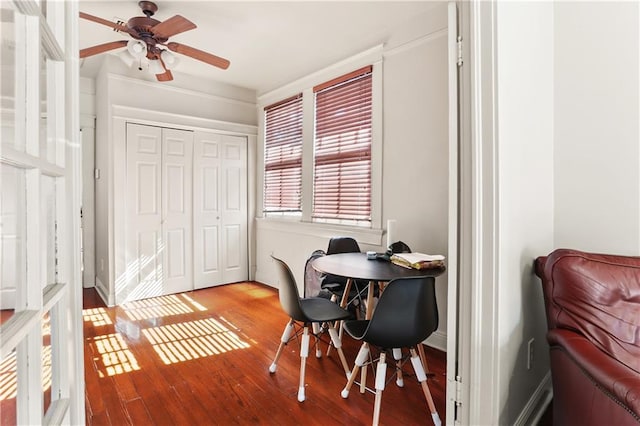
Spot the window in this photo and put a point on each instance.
(283, 156)
(342, 149)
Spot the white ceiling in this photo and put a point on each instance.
(268, 43)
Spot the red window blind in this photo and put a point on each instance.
(283, 156)
(342, 148)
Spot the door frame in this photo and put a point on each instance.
(116, 214)
(477, 329)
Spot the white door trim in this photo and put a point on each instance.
(452, 398)
(480, 240)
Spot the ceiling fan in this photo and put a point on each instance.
(149, 36)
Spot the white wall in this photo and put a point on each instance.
(415, 149)
(416, 142)
(525, 195)
(597, 119)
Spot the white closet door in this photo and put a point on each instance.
(220, 209)
(159, 221)
(206, 209)
(143, 255)
(234, 208)
(177, 158)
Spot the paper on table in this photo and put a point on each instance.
(418, 260)
(419, 257)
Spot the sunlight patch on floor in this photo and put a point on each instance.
(114, 355)
(193, 339)
(98, 316)
(162, 306)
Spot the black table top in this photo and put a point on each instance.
(356, 265)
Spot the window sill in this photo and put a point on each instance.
(323, 230)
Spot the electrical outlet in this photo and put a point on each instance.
(530, 354)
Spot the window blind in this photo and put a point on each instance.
(342, 148)
(283, 156)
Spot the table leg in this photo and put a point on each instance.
(368, 314)
(370, 299)
(343, 304)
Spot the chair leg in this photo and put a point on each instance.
(286, 335)
(337, 342)
(381, 377)
(422, 378)
(361, 358)
(397, 355)
(423, 358)
(304, 353)
(316, 328)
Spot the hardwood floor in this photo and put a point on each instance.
(202, 358)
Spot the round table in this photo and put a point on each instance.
(357, 266)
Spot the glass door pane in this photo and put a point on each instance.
(12, 236)
(7, 82)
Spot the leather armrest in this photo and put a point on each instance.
(609, 374)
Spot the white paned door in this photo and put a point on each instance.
(158, 225)
(42, 373)
(220, 209)
(177, 156)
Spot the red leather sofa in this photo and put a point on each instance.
(593, 314)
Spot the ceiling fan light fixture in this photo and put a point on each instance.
(127, 58)
(156, 67)
(137, 48)
(170, 60)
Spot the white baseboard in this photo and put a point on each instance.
(437, 340)
(102, 291)
(537, 404)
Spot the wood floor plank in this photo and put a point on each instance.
(137, 411)
(161, 401)
(98, 419)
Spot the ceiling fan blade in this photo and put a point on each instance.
(108, 23)
(200, 55)
(172, 26)
(166, 76)
(94, 50)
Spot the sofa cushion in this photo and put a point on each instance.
(599, 298)
(612, 376)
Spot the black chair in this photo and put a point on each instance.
(406, 314)
(399, 247)
(312, 278)
(315, 311)
(336, 284)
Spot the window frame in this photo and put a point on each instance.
(304, 223)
